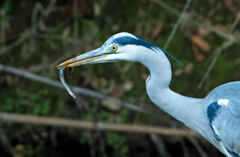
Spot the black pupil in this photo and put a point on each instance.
(114, 47)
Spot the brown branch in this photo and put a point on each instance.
(167, 7)
(177, 24)
(198, 147)
(6, 143)
(27, 33)
(230, 38)
(217, 52)
(226, 44)
(184, 147)
(159, 143)
(198, 20)
(147, 110)
(60, 122)
(22, 37)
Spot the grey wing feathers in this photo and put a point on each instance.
(224, 119)
(234, 107)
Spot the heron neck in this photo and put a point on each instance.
(180, 107)
(190, 111)
(159, 67)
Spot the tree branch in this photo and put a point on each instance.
(59, 122)
(217, 52)
(198, 147)
(177, 24)
(146, 110)
(198, 20)
(226, 44)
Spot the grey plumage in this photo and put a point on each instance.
(216, 117)
(224, 119)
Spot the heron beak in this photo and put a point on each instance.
(95, 56)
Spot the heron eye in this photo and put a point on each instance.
(114, 48)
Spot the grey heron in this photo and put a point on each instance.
(216, 117)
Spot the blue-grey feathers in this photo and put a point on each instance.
(171, 56)
(233, 154)
(234, 107)
(127, 39)
(224, 120)
(212, 111)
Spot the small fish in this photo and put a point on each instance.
(70, 71)
(61, 75)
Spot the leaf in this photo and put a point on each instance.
(128, 85)
(178, 72)
(213, 11)
(66, 33)
(203, 32)
(226, 29)
(196, 39)
(197, 54)
(118, 91)
(111, 104)
(98, 83)
(157, 29)
(97, 9)
(188, 68)
(102, 82)
(232, 7)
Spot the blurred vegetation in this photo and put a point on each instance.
(38, 35)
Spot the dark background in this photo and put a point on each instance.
(35, 36)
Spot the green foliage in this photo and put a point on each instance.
(6, 7)
(61, 35)
(8, 105)
(85, 137)
(118, 143)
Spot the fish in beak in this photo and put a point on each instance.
(61, 75)
(96, 56)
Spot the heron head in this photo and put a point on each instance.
(121, 46)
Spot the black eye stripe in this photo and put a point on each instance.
(123, 39)
(126, 40)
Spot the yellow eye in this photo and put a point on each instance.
(114, 48)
